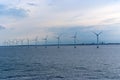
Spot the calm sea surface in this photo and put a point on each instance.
(65, 63)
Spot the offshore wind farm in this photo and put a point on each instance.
(36, 41)
(27, 59)
(58, 41)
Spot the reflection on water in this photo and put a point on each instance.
(67, 63)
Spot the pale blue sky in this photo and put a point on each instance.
(22, 19)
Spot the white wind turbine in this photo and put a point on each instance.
(46, 41)
(28, 42)
(21, 42)
(97, 35)
(36, 41)
(58, 40)
(75, 39)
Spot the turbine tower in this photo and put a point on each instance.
(75, 39)
(36, 41)
(46, 41)
(97, 35)
(22, 42)
(58, 40)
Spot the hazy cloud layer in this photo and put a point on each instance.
(2, 27)
(32, 4)
(5, 11)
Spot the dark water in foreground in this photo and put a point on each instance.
(65, 63)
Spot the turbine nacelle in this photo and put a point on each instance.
(97, 34)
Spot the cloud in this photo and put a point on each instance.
(12, 12)
(2, 27)
(55, 17)
(32, 4)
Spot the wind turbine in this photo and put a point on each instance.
(97, 35)
(75, 39)
(16, 42)
(9, 42)
(12, 42)
(28, 42)
(5, 43)
(22, 42)
(36, 41)
(46, 40)
(58, 40)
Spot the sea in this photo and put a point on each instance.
(85, 62)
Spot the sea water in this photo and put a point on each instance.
(64, 63)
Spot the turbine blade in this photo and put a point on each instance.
(99, 33)
(95, 33)
(60, 35)
(76, 34)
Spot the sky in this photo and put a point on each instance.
(28, 19)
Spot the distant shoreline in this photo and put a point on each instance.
(61, 45)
